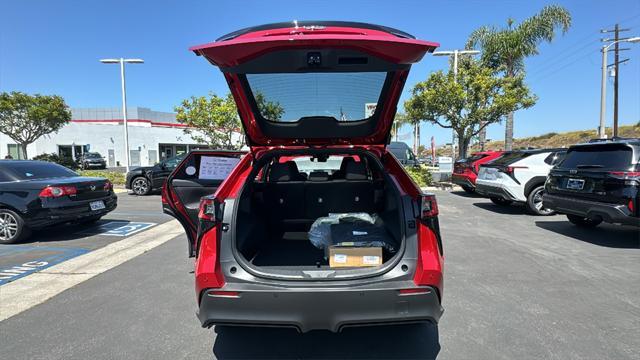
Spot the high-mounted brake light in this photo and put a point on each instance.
(57, 191)
(428, 206)
(625, 175)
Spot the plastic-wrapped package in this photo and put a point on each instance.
(361, 234)
(320, 232)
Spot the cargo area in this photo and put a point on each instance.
(277, 210)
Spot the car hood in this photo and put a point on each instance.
(317, 48)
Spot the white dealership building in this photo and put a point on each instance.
(153, 136)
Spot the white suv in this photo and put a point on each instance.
(519, 176)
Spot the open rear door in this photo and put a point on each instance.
(198, 175)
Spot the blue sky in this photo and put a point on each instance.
(53, 48)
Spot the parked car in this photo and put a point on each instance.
(465, 171)
(39, 194)
(519, 176)
(145, 179)
(248, 219)
(403, 152)
(91, 160)
(597, 182)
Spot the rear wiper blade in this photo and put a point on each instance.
(589, 166)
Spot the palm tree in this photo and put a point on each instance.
(505, 49)
(398, 121)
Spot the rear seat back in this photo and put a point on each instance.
(284, 192)
(288, 199)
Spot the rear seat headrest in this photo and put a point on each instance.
(319, 176)
(355, 171)
(287, 171)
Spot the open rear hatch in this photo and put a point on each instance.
(316, 83)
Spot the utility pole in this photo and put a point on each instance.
(616, 68)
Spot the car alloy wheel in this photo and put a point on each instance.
(140, 186)
(9, 227)
(534, 202)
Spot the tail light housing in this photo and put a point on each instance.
(428, 206)
(57, 191)
(211, 209)
(510, 169)
(625, 175)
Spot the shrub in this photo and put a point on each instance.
(117, 178)
(421, 175)
(55, 158)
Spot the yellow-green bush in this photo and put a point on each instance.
(420, 174)
(117, 178)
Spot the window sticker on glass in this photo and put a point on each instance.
(216, 168)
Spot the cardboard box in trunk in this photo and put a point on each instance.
(354, 256)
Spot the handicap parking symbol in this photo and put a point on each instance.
(119, 228)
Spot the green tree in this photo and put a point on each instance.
(25, 118)
(480, 97)
(211, 120)
(505, 49)
(270, 110)
(214, 120)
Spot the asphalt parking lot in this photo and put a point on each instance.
(516, 287)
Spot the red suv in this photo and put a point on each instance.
(317, 102)
(465, 171)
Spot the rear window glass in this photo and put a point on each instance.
(509, 158)
(344, 96)
(602, 157)
(37, 170)
(307, 165)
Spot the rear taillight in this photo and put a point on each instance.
(430, 261)
(625, 175)
(57, 191)
(631, 207)
(108, 186)
(211, 209)
(428, 206)
(511, 169)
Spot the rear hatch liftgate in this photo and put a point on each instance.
(272, 74)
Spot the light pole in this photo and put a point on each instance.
(455, 54)
(122, 61)
(603, 84)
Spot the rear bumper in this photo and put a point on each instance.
(611, 213)
(318, 309)
(77, 211)
(462, 180)
(494, 191)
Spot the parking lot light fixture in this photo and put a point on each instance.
(455, 54)
(122, 61)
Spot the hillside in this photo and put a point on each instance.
(565, 139)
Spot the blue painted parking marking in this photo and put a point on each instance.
(49, 257)
(118, 228)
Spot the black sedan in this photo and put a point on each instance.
(142, 180)
(38, 194)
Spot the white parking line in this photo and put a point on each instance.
(27, 292)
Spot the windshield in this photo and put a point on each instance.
(92, 156)
(598, 157)
(37, 170)
(344, 96)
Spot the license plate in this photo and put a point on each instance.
(96, 205)
(575, 184)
